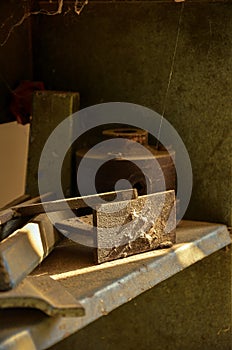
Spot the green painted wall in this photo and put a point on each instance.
(123, 51)
(200, 106)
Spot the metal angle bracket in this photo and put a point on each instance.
(42, 293)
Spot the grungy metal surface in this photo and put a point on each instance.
(154, 228)
(22, 251)
(189, 311)
(124, 167)
(102, 288)
(113, 233)
(42, 293)
(20, 340)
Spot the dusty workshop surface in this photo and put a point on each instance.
(102, 288)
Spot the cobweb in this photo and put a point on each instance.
(75, 5)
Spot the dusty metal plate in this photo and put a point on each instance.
(20, 340)
(152, 220)
(45, 294)
(102, 288)
(80, 229)
(23, 250)
(106, 230)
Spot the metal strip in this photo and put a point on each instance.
(73, 203)
(45, 294)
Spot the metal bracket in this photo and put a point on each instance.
(42, 293)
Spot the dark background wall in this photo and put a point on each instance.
(15, 52)
(124, 50)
